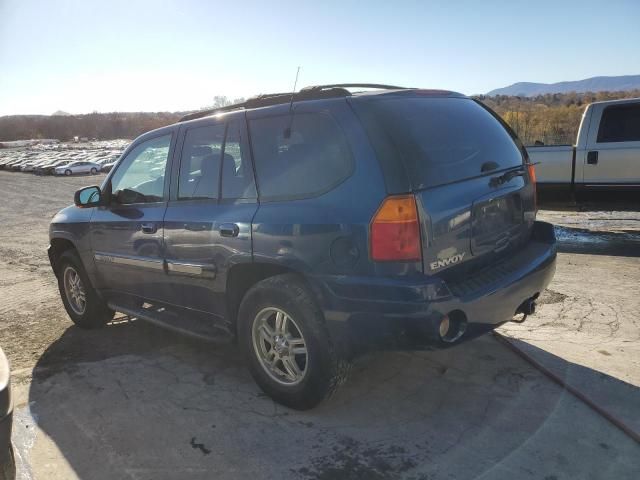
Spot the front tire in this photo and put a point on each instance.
(82, 303)
(68, 173)
(94, 171)
(284, 337)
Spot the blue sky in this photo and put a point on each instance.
(165, 55)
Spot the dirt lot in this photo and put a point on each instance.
(134, 402)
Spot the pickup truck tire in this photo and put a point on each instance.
(85, 308)
(8, 467)
(271, 347)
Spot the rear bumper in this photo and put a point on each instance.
(364, 310)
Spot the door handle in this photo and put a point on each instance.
(148, 227)
(229, 230)
(592, 157)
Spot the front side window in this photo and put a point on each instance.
(140, 176)
(620, 123)
(299, 155)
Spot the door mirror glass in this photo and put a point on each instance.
(87, 197)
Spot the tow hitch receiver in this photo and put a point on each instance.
(526, 308)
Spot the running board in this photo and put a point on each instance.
(183, 324)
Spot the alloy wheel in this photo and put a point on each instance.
(74, 290)
(280, 346)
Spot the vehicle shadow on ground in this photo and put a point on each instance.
(131, 401)
(618, 398)
(593, 242)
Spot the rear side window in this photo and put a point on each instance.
(620, 123)
(237, 174)
(443, 140)
(298, 156)
(200, 164)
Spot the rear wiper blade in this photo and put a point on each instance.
(506, 176)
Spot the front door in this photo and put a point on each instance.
(614, 157)
(126, 234)
(208, 219)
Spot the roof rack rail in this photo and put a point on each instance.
(210, 111)
(353, 85)
(313, 92)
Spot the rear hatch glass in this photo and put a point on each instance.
(444, 139)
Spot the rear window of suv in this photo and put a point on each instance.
(299, 156)
(442, 140)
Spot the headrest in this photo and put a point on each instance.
(200, 151)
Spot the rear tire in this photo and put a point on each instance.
(82, 303)
(294, 379)
(68, 173)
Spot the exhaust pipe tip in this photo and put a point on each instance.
(452, 326)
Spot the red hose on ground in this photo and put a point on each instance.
(576, 393)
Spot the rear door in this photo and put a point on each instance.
(613, 156)
(474, 194)
(208, 219)
(126, 234)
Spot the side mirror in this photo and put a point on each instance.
(87, 197)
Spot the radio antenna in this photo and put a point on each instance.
(287, 131)
(295, 84)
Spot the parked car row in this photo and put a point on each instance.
(59, 161)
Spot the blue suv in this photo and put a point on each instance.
(310, 226)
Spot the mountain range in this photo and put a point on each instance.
(594, 84)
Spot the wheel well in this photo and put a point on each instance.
(58, 247)
(241, 278)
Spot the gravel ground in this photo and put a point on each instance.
(130, 401)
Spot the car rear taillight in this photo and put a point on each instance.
(532, 176)
(395, 230)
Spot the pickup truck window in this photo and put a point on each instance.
(620, 123)
(200, 162)
(299, 156)
(140, 176)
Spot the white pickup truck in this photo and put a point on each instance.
(606, 155)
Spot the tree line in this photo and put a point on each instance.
(550, 119)
(102, 126)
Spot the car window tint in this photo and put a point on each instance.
(300, 155)
(440, 140)
(237, 174)
(200, 162)
(140, 176)
(620, 123)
